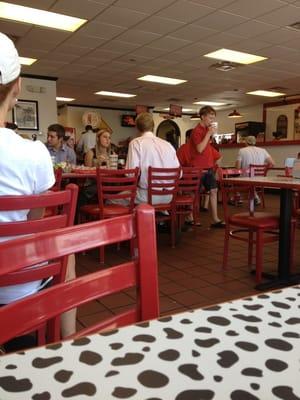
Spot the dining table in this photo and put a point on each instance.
(245, 349)
(287, 187)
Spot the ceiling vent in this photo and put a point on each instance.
(224, 66)
(295, 26)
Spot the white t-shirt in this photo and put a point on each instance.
(25, 168)
(87, 141)
(252, 155)
(150, 150)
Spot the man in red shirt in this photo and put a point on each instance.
(203, 156)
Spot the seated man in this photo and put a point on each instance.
(149, 150)
(58, 150)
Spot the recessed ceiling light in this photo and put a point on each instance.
(115, 94)
(235, 56)
(210, 103)
(183, 110)
(64, 99)
(27, 60)
(35, 16)
(161, 79)
(266, 93)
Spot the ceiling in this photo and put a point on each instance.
(125, 39)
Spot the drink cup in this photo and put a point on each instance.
(214, 125)
(113, 161)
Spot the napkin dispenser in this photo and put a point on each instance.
(296, 169)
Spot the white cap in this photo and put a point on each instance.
(9, 60)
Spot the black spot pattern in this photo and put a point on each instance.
(55, 346)
(173, 334)
(221, 321)
(279, 304)
(41, 396)
(252, 372)
(243, 395)
(253, 307)
(146, 349)
(191, 370)
(90, 358)
(123, 392)
(293, 321)
(63, 376)
(153, 379)
(255, 386)
(203, 330)
(218, 378)
(284, 393)
(13, 385)
(195, 353)
(116, 346)
(279, 344)
(169, 355)
(227, 358)
(206, 342)
(128, 359)
(40, 362)
(247, 346)
(247, 318)
(252, 329)
(276, 365)
(111, 373)
(186, 321)
(144, 338)
(81, 341)
(274, 314)
(275, 324)
(293, 335)
(232, 333)
(81, 389)
(195, 395)
(11, 366)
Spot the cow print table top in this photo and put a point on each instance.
(247, 349)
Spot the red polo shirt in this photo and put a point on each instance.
(207, 158)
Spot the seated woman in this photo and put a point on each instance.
(100, 154)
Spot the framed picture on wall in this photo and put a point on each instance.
(26, 116)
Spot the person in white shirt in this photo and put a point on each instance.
(253, 155)
(149, 150)
(87, 140)
(26, 168)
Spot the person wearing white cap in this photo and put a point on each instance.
(253, 155)
(26, 166)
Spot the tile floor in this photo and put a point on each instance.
(190, 275)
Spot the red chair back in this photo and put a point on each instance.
(141, 273)
(163, 182)
(115, 184)
(258, 170)
(66, 200)
(58, 179)
(190, 180)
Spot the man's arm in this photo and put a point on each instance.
(270, 162)
(133, 156)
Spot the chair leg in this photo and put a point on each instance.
(259, 255)
(250, 249)
(263, 198)
(173, 230)
(226, 248)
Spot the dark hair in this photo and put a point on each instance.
(88, 128)
(206, 110)
(59, 129)
(11, 125)
(144, 122)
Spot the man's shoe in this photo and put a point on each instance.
(219, 224)
(257, 202)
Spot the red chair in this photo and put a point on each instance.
(141, 273)
(187, 199)
(58, 179)
(252, 227)
(163, 182)
(117, 186)
(259, 170)
(57, 268)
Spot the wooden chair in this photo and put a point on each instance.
(251, 226)
(56, 268)
(163, 182)
(259, 170)
(116, 195)
(140, 273)
(188, 197)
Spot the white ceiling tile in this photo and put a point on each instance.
(55, 55)
(119, 46)
(138, 36)
(101, 30)
(293, 44)
(134, 58)
(177, 56)
(75, 9)
(193, 33)
(120, 17)
(106, 54)
(198, 48)
(251, 45)
(144, 6)
(149, 52)
(85, 41)
(284, 53)
(220, 20)
(41, 4)
(213, 3)
(282, 35)
(69, 49)
(185, 11)
(253, 8)
(251, 28)
(14, 28)
(33, 53)
(284, 16)
(168, 43)
(159, 25)
(223, 39)
(47, 35)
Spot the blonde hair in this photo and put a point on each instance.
(97, 147)
(144, 122)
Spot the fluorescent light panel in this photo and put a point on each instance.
(161, 79)
(35, 16)
(115, 94)
(235, 56)
(266, 93)
(210, 103)
(64, 99)
(183, 110)
(27, 60)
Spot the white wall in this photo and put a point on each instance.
(46, 103)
